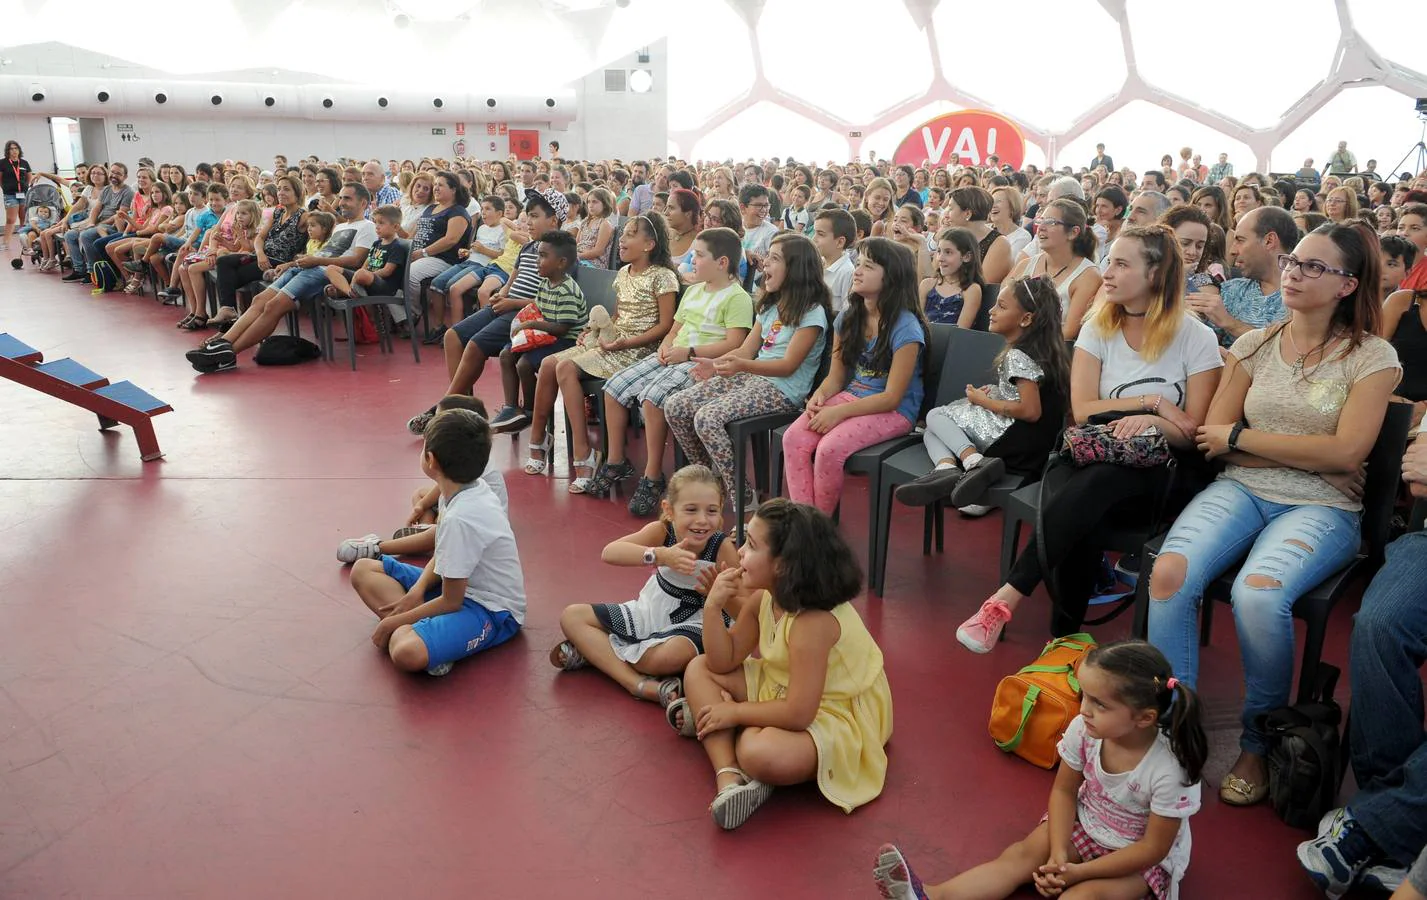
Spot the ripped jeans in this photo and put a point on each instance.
(1287, 550)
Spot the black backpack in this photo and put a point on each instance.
(1305, 753)
(286, 350)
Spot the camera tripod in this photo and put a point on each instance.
(1419, 151)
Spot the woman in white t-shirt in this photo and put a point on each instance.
(1298, 411)
(1141, 357)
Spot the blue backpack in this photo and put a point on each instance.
(104, 277)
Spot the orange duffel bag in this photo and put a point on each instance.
(1033, 707)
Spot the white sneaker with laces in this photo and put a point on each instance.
(353, 549)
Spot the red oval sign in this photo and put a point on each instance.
(971, 134)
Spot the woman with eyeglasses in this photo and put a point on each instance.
(1066, 249)
(1296, 414)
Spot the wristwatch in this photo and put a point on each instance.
(1234, 433)
(650, 556)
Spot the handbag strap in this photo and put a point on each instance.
(1027, 704)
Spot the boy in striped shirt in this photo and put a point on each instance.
(562, 311)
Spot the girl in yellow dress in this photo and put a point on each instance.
(815, 704)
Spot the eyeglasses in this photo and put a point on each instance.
(1042, 223)
(1310, 268)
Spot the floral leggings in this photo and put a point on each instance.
(813, 462)
(699, 417)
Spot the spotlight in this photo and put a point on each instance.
(401, 20)
(102, 96)
(37, 93)
(438, 103)
(490, 101)
(270, 101)
(382, 102)
(326, 102)
(216, 99)
(641, 81)
(160, 97)
(550, 102)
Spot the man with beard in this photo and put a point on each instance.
(81, 238)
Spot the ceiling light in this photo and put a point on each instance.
(641, 81)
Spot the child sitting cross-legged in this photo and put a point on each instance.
(471, 595)
(814, 705)
(1020, 416)
(714, 318)
(418, 536)
(1118, 825)
(645, 644)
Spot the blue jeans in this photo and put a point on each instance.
(1295, 547)
(81, 247)
(1389, 745)
(442, 283)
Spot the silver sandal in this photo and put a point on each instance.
(733, 805)
(581, 484)
(535, 466)
(671, 712)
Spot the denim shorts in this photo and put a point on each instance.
(13, 200)
(491, 332)
(301, 284)
(455, 635)
(171, 243)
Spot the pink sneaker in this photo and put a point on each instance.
(980, 632)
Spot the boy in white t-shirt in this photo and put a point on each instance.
(471, 595)
(714, 317)
(834, 232)
(418, 536)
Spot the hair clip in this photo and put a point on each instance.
(1172, 683)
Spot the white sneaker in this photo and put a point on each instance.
(353, 549)
(975, 511)
(442, 669)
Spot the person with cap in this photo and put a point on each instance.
(485, 333)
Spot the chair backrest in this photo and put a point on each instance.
(1384, 472)
(934, 363)
(970, 359)
(988, 299)
(597, 285)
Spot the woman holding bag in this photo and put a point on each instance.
(1144, 362)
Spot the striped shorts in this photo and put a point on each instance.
(647, 381)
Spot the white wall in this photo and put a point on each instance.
(624, 126)
(33, 133)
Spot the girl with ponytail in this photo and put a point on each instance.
(1120, 807)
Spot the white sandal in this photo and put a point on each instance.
(592, 462)
(535, 466)
(733, 805)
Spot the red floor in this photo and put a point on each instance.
(190, 705)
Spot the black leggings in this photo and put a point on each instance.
(234, 271)
(1077, 504)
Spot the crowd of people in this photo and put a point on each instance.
(1261, 325)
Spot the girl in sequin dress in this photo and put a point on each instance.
(1032, 380)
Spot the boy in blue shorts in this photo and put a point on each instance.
(471, 595)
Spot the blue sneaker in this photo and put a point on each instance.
(1385, 877)
(1339, 854)
(895, 878)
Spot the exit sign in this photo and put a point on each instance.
(438, 131)
(854, 134)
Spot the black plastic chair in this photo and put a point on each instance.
(868, 461)
(1314, 607)
(597, 285)
(970, 359)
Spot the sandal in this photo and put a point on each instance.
(733, 805)
(136, 284)
(607, 477)
(671, 712)
(195, 323)
(535, 466)
(581, 484)
(184, 322)
(670, 689)
(566, 658)
(1235, 791)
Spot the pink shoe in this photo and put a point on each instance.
(980, 633)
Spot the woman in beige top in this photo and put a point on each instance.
(1295, 416)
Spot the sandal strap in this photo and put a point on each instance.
(733, 770)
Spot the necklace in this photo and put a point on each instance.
(1139, 315)
(1303, 357)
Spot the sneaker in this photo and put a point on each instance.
(353, 549)
(409, 530)
(213, 359)
(895, 879)
(134, 266)
(975, 510)
(931, 487)
(1336, 858)
(417, 423)
(75, 277)
(1127, 570)
(647, 494)
(509, 420)
(202, 353)
(1385, 877)
(980, 633)
(971, 490)
(437, 671)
